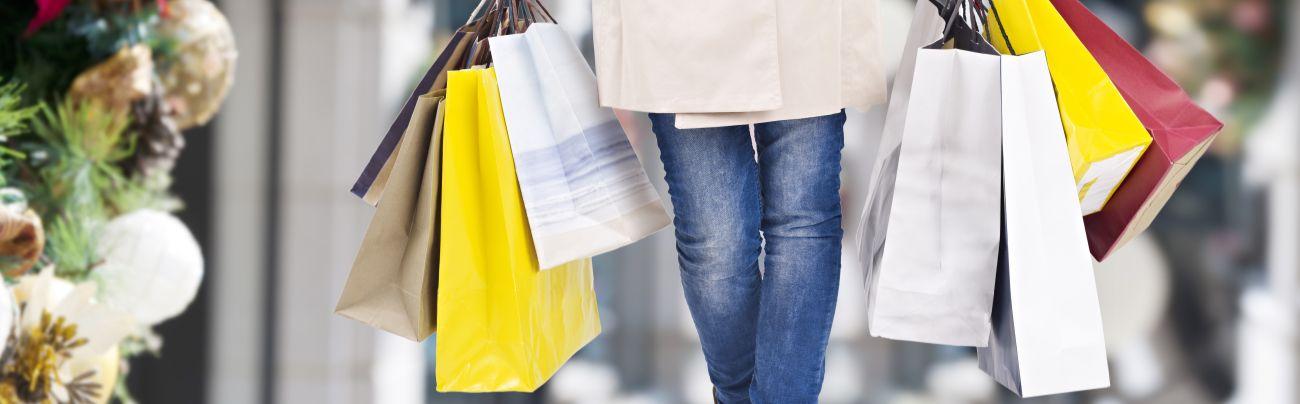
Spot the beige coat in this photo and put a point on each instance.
(734, 62)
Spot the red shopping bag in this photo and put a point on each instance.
(1180, 131)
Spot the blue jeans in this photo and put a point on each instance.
(764, 335)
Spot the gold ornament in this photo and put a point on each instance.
(117, 82)
(198, 77)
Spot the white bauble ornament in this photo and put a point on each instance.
(152, 265)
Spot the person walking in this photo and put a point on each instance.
(747, 99)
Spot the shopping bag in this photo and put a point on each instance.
(1104, 135)
(394, 276)
(503, 324)
(585, 192)
(926, 28)
(933, 271)
(370, 185)
(1181, 132)
(1047, 336)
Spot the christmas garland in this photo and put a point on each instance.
(94, 96)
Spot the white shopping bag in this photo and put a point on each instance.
(1047, 335)
(932, 263)
(584, 190)
(927, 27)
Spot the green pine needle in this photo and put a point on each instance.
(78, 179)
(14, 120)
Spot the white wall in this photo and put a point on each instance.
(239, 246)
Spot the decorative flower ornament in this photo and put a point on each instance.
(62, 333)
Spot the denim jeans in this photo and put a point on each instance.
(764, 335)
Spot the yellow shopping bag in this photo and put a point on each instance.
(1104, 137)
(503, 324)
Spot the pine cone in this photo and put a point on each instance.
(158, 141)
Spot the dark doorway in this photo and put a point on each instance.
(179, 375)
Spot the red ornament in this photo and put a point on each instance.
(163, 9)
(46, 11)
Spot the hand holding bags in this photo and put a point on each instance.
(1104, 136)
(1180, 130)
(503, 324)
(394, 277)
(1047, 334)
(932, 276)
(584, 190)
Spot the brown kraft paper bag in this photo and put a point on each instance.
(393, 283)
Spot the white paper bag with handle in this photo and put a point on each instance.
(931, 231)
(584, 190)
(1047, 333)
(926, 28)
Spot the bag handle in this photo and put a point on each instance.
(496, 18)
(952, 14)
(964, 21)
(537, 4)
(1002, 29)
(514, 12)
(477, 10)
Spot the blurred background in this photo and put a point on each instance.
(1202, 309)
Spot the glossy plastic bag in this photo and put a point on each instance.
(1104, 136)
(503, 324)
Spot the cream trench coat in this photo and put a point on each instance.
(736, 62)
